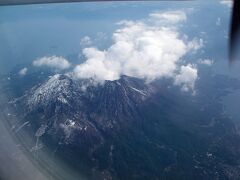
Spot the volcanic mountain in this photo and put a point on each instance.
(127, 129)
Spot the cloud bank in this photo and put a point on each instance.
(55, 62)
(169, 16)
(149, 49)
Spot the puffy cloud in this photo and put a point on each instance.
(23, 71)
(56, 62)
(138, 51)
(86, 41)
(97, 66)
(228, 3)
(195, 44)
(187, 77)
(141, 49)
(207, 62)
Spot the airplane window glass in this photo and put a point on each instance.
(118, 90)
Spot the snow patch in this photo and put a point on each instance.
(139, 91)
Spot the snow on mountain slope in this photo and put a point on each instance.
(75, 108)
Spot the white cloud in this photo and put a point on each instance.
(228, 3)
(195, 44)
(86, 41)
(218, 22)
(23, 71)
(141, 49)
(207, 62)
(57, 62)
(187, 77)
(169, 16)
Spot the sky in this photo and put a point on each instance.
(147, 40)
